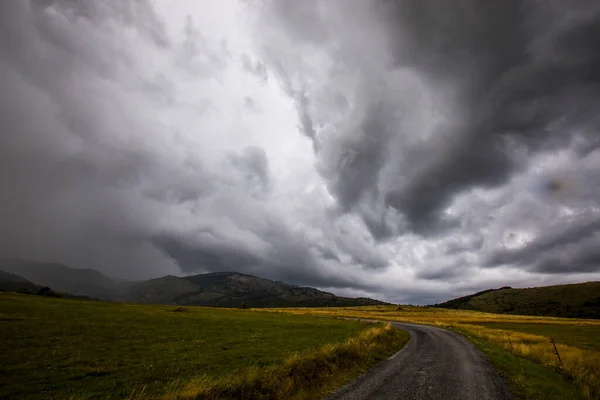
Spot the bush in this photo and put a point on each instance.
(47, 292)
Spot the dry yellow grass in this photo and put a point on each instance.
(429, 315)
(582, 365)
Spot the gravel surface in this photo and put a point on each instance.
(434, 364)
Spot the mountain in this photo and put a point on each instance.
(15, 283)
(580, 300)
(218, 289)
(63, 279)
(233, 289)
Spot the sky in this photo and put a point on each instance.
(410, 151)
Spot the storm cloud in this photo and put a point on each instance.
(408, 150)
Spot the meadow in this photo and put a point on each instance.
(56, 348)
(516, 345)
(72, 349)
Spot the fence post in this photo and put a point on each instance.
(511, 345)
(556, 351)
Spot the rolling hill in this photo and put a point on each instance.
(580, 300)
(218, 289)
(63, 279)
(14, 283)
(233, 289)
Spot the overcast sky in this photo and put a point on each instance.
(410, 150)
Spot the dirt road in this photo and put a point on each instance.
(435, 364)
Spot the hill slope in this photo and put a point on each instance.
(14, 283)
(232, 289)
(82, 282)
(581, 300)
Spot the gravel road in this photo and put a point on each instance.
(434, 364)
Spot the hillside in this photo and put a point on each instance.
(232, 289)
(14, 283)
(63, 279)
(581, 300)
(218, 289)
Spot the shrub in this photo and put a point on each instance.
(47, 292)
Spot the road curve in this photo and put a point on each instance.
(434, 364)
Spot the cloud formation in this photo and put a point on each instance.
(407, 150)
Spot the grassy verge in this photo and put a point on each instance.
(576, 335)
(62, 349)
(526, 379)
(579, 365)
(307, 376)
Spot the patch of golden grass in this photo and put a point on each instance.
(429, 315)
(299, 376)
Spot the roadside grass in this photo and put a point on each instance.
(576, 340)
(72, 349)
(307, 376)
(584, 336)
(582, 366)
(527, 380)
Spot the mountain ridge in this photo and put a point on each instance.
(235, 289)
(64, 279)
(216, 289)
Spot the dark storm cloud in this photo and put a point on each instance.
(297, 92)
(91, 179)
(79, 186)
(210, 256)
(581, 259)
(504, 75)
(254, 165)
(133, 13)
(510, 89)
(117, 151)
(452, 272)
(571, 243)
(287, 259)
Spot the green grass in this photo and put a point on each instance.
(526, 379)
(576, 335)
(59, 348)
(308, 376)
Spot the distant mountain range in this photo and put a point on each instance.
(580, 300)
(63, 279)
(233, 289)
(14, 283)
(219, 289)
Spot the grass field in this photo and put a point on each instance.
(61, 349)
(585, 336)
(527, 337)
